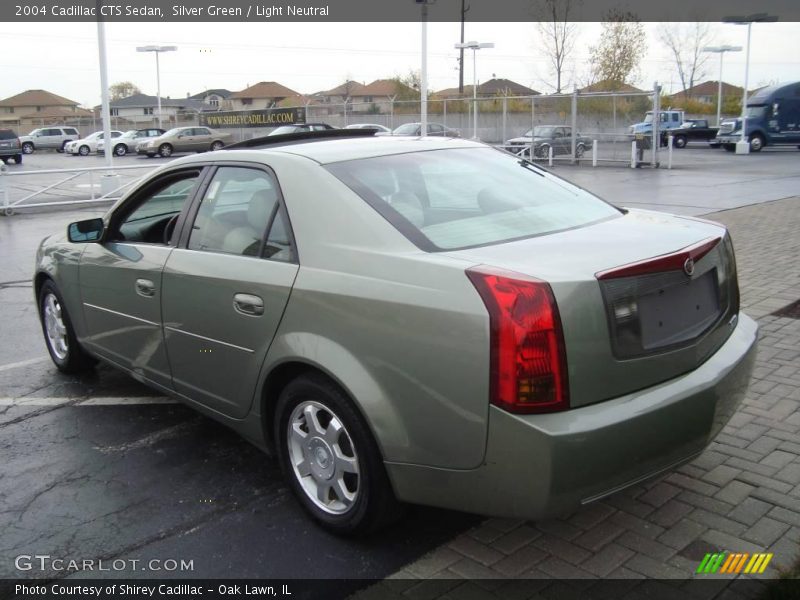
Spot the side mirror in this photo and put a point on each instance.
(90, 230)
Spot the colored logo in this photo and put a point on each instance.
(734, 563)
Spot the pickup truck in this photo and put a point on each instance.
(692, 130)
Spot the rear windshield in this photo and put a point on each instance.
(7, 134)
(462, 198)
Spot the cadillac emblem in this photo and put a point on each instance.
(688, 266)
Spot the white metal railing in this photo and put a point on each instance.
(105, 195)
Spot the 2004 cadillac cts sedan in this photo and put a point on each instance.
(418, 320)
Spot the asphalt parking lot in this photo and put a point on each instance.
(102, 467)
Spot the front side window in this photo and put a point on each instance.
(461, 198)
(147, 219)
(238, 209)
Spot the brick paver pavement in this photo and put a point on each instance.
(741, 494)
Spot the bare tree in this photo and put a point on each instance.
(123, 89)
(557, 35)
(616, 58)
(685, 42)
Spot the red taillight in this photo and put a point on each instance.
(528, 362)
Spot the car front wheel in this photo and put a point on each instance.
(333, 465)
(165, 150)
(756, 142)
(59, 335)
(217, 146)
(680, 141)
(120, 150)
(27, 148)
(83, 150)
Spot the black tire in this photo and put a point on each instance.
(680, 141)
(18, 159)
(757, 142)
(120, 150)
(374, 505)
(63, 145)
(84, 150)
(580, 150)
(542, 151)
(28, 147)
(217, 145)
(165, 150)
(72, 358)
(6, 159)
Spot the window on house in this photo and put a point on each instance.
(114, 112)
(247, 101)
(213, 101)
(148, 110)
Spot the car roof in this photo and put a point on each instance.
(338, 150)
(325, 151)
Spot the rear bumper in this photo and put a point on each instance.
(542, 465)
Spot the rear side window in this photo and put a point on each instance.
(467, 197)
(7, 134)
(241, 214)
(70, 131)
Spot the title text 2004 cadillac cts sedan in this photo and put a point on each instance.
(421, 320)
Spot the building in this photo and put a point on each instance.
(607, 85)
(707, 91)
(36, 108)
(339, 94)
(504, 87)
(140, 109)
(265, 94)
(217, 98)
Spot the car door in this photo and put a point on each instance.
(121, 277)
(226, 287)
(202, 139)
(50, 138)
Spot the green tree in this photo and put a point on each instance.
(123, 89)
(616, 58)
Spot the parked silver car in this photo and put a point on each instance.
(404, 319)
(183, 139)
(54, 137)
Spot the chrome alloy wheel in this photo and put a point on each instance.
(54, 327)
(323, 457)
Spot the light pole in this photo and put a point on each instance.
(743, 146)
(474, 46)
(157, 50)
(721, 50)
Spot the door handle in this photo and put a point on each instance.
(146, 288)
(248, 304)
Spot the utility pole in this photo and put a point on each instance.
(461, 50)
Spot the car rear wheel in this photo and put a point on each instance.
(330, 458)
(165, 150)
(27, 148)
(83, 150)
(59, 335)
(120, 150)
(218, 145)
(542, 151)
(680, 141)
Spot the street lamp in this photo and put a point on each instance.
(474, 46)
(157, 50)
(743, 146)
(721, 50)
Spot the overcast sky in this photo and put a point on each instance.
(309, 57)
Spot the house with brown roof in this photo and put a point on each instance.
(607, 85)
(707, 91)
(488, 89)
(340, 93)
(265, 94)
(36, 108)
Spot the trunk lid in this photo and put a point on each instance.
(632, 315)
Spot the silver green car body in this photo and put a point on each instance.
(406, 336)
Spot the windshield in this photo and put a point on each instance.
(129, 134)
(756, 112)
(461, 198)
(174, 131)
(545, 132)
(407, 129)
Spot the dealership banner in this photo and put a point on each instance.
(384, 10)
(268, 117)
